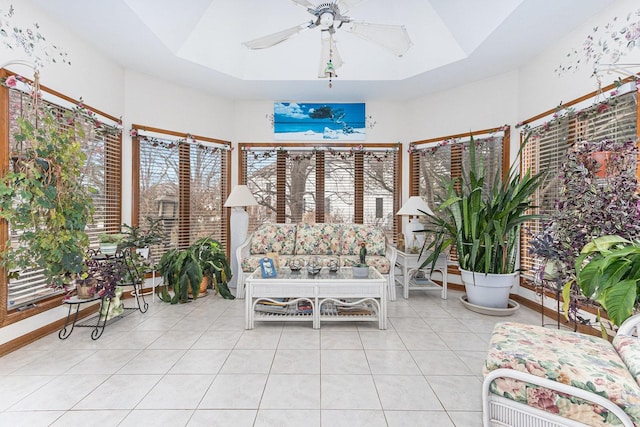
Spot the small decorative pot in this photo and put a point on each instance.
(108, 248)
(360, 271)
(86, 289)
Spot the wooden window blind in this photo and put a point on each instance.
(434, 160)
(590, 118)
(182, 180)
(306, 183)
(102, 172)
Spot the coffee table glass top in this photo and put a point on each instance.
(345, 273)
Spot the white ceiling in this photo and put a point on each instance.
(198, 43)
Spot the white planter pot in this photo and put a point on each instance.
(488, 290)
(360, 271)
(108, 248)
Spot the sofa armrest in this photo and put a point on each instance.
(631, 325)
(243, 251)
(550, 385)
(391, 254)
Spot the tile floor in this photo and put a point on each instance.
(195, 365)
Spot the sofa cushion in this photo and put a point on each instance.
(354, 234)
(629, 350)
(583, 361)
(318, 239)
(280, 238)
(252, 262)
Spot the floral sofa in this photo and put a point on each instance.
(534, 374)
(323, 242)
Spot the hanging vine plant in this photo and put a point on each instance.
(43, 198)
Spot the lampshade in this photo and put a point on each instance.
(240, 196)
(411, 206)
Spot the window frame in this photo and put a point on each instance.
(184, 208)
(114, 193)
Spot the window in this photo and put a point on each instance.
(343, 183)
(182, 181)
(433, 160)
(590, 118)
(102, 146)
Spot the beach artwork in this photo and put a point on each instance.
(294, 121)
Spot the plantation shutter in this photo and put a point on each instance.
(346, 184)
(587, 119)
(102, 172)
(184, 183)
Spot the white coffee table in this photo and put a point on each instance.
(329, 294)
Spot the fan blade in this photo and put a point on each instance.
(328, 50)
(392, 37)
(275, 38)
(305, 3)
(347, 5)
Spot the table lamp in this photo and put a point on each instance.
(412, 208)
(239, 198)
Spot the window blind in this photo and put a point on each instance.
(591, 118)
(184, 183)
(432, 161)
(305, 183)
(102, 172)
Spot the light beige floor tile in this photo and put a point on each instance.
(176, 339)
(301, 391)
(352, 418)
(157, 417)
(119, 392)
(458, 393)
(419, 418)
(61, 393)
(101, 418)
(222, 418)
(213, 339)
(409, 393)
(391, 362)
(296, 362)
(340, 340)
(248, 362)
(13, 388)
(177, 392)
(348, 392)
(466, 419)
(200, 361)
(30, 418)
(300, 339)
(427, 340)
(152, 362)
(288, 418)
(381, 340)
(259, 339)
(105, 361)
(440, 363)
(238, 391)
(343, 362)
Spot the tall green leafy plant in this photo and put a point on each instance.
(608, 271)
(483, 226)
(44, 200)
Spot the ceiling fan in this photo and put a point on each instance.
(330, 16)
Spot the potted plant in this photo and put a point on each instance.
(138, 237)
(109, 242)
(44, 200)
(361, 269)
(484, 227)
(608, 272)
(185, 270)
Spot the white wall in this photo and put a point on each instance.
(542, 89)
